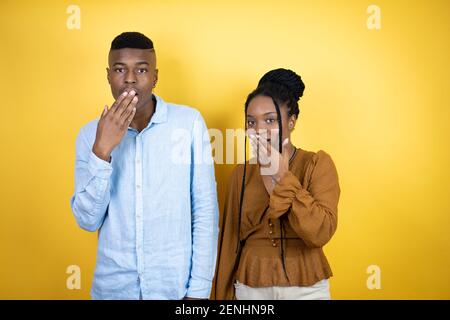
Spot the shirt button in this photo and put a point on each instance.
(273, 240)
(270, 224)
(270, 232)
(138, 186)
(274, 244)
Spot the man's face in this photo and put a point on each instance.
(132, 69)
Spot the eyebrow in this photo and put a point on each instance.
(137, 63)
(265, 114)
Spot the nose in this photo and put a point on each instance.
(262, 128)
(130, 78)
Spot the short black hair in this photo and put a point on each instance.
(134, 40)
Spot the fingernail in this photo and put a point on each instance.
(132, 92)
(125, 93)
(135, 98)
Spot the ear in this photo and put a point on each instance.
(291, 122)
(107, 75)
(155, 79)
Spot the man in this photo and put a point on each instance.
(157, 215)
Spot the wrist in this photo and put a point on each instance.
(102, 153)
(277, 178)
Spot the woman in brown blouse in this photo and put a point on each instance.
(276, 221)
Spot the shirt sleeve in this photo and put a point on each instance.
(312, 212)
(92, 186)
(204, 208)
(227, 259)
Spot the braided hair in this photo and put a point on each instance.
(284, 87)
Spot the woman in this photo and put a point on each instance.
(280, 211)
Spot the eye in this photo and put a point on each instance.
(119, 70)
(142, 70)
(250, 123)
(269, 121)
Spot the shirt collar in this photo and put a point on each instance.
(160, 114)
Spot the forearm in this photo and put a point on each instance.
(91, 198)
(313, 218)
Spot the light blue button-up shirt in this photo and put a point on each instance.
(155, 206)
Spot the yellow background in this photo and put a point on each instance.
(376, 100)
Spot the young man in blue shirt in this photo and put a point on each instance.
(155, 208)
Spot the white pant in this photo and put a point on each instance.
(318, 291)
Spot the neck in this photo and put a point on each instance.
(143, 115)
(290, 148)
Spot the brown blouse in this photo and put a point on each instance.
(303, 205)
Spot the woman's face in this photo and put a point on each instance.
(262, 118)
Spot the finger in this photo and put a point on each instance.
(119, 100)
(104, 112)
(263, 154)
(258, 153)
(255, 144)
(253, 139)
(251, 132)
(129, 109)
(125, 103)
(254, 148)
(269, 151)
(130, 117)
(263, 146)
(263, 134)
(263, 159)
